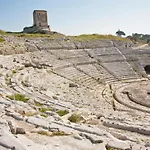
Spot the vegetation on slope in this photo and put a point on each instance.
(140, 38)
(98, 37)
(1, 40)
(75, 118)
(18, 97)
(62, 112)
(2, 32)
(56, 35)
(43, 110)
(47, 133)
(37, 35)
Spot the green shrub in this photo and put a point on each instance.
(14, 71)
(62, 112)
(7, 75)
(43, 110)
(18, 97)
(75, 118)
(38, 104)
(8, 80)
(44, 115)
(1, 40)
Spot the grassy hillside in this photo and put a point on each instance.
(1, 40)
(56, 35)
(33, 35)
(98, 37)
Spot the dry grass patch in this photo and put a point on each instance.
(29, 114)
(110, 148)
(46, 133)
(51, 134)
(59, 133)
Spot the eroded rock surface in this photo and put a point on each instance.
(60, 94)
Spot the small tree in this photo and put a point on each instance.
(120, 33)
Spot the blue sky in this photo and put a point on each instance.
(73, 17)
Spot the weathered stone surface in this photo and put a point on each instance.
(10, 142)
(38, 122)
(20, 131)
(72, 85)
(108, 75)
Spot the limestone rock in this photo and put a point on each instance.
(38, 122)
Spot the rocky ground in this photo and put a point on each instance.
(61, 94)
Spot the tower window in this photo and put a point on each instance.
(39, 16)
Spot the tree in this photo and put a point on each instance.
(120, 33)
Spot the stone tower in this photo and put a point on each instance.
(40, 18)
(40, 23)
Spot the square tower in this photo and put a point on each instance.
(40, 23)
(40, 19)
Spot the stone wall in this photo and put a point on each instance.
(34, 29)
(28, 29)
